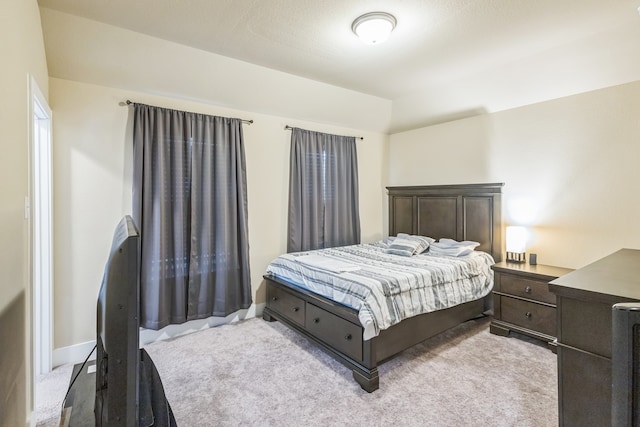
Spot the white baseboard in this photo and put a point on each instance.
(78, 352)
(147, 336)
(73, 353)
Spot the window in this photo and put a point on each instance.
(190, 204)
(323, 191)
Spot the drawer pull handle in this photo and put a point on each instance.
(316, 320)
(296, 309)
(528, 314)
(348, 337)
(274, 299)
(528, 289)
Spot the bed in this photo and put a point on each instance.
(469, 212)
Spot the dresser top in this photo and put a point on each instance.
(616, 275)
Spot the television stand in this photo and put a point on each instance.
(154, 409)
(78, 408)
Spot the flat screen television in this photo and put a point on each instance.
(118, 333)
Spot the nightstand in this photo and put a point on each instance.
(522, 302)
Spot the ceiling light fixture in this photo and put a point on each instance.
(374, 27)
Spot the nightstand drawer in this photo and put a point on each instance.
(526, 288)
(536, 317)
(522, 301)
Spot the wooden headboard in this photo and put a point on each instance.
(459, 212)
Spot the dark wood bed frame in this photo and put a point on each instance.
(460, 212)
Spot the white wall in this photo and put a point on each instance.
(22, 53)
(92, 187)
(570, 167)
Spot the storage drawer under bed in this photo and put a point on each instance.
(286, 304)
(324, 326)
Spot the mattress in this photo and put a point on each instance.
(385, 288)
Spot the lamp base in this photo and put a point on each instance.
(518, 257)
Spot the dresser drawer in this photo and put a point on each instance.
(586, 325)
(526, 288)
(584, 382)
(539, 318)
(326, 326)
(286, 304)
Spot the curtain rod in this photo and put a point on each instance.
(128, 102)
(287, 127)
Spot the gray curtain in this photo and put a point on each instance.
(190, 204)
(323, 191)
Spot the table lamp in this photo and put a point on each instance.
(516, 241)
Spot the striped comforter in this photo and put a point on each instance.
(386, 288)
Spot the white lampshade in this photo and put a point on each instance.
(516, 239)
(374, 27)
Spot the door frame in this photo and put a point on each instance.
(39, 210)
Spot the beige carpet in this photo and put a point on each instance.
(257, 373)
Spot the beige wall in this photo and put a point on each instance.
(570, 167)
(22, 53)
(92, 187)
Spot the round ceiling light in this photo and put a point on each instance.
(374, 27)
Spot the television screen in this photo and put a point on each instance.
(118, 358)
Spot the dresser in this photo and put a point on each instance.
(584, 320)
(522, 301)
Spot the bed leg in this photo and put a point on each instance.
(369, 381)
(499, 330)
(267, 317)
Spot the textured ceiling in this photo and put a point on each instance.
(436, 43)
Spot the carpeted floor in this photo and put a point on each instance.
(257, 373)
